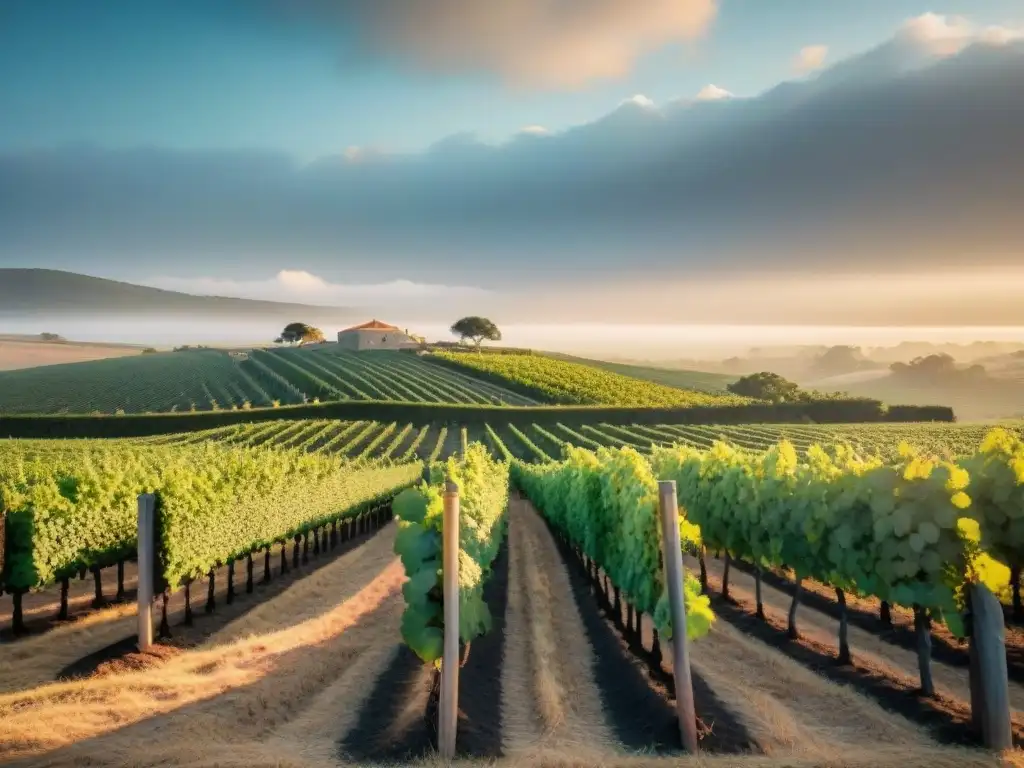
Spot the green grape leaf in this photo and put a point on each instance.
(415, 545)
(411, 505)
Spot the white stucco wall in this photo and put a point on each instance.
(359, 340)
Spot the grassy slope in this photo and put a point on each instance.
(680, 379)
(564, 380)
(996, 398)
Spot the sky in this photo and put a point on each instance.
(575, 159)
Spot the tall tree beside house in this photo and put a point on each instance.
(477, 329)
(300, 333)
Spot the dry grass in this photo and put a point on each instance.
(236, 689)
(551, 700)
(521, 727)
(26, 353)
(790, 710)
(870, 647)
(38, 660)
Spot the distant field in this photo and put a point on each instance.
(991, 399)
(204, 380)
(575, 383)
(679, 378)
(23, 352)
(534, 443)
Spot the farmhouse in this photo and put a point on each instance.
(375, 335)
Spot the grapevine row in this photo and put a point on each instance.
(483, 499)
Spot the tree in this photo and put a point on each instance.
(838, 360)
(767, 386)
(300, 333)
(926, 367)
(477, 329)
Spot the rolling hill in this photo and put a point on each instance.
(990, 398)
(702, 381)
(48, 293)
(212, 379)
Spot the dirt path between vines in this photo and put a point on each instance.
(825, 630)
(281, 679)
(286, 682)
(551, 702)
(791, 714)
(93, 637)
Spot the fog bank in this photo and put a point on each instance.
(652, 341)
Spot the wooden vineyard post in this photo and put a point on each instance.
(989, 640)
(673, 557)
(146, 547)
(448, 713)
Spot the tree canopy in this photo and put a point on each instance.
(477, 329)
(840, 359)
(767, 386)
(300, 333)
(937, 369)
(771, 386)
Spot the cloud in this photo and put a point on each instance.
(943, 35)
(534, 43)
(712, 92)
(948, 35)
(300, 286)
(639, 100)
(535, 130)
(895, 159)
(810, 58)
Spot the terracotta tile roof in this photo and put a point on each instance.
(373, 325)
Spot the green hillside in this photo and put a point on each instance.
(565, 381)
(205, 380)
(700, 381)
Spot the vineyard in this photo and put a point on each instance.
(715, 383)
(208, 380)
(562, 381)
(329, 651)
(299, 589)
(537, 443)
(71, 507)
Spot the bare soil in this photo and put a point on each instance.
(640, 697)
(17, 353)
(397, 720)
